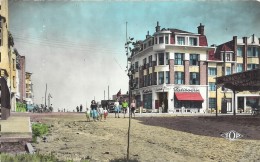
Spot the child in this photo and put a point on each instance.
(100, 112)
(88, 114)
(105, 114)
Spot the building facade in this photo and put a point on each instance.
(234, 56)
(170, 71)
(29, 89)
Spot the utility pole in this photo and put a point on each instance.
(108, 93)
(45, 95)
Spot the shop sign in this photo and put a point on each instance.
(147, 91)
(178, 89)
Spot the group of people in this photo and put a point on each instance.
(124, 105)
(96, 112)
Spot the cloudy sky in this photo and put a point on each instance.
(77, 47)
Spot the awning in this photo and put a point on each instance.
(188, 96)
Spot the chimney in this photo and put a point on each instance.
(213, 45)
(157, 28)
(235, 48)
(253, 38)
(245, 40)
(201, 29)
(147, 36)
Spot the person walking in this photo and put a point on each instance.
(80, 108)
(77, 109)
(100, 112)
(93, 107)
(133, 106)
(116, 108)
(124, 107)
(105, 114)
(88, 114)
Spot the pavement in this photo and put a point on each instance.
(15, 129)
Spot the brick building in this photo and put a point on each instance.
(170, 70)
(234, 56)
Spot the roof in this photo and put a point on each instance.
(244, 81)
(228, 46)
(179, 31)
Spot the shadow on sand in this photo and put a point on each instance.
(248, 126)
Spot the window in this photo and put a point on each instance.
(161, 77)
(167, 77)
(167, 58)
(144, 45)
(149, 80)
(252, 52)
(194, 78)
(136, 66)
(150, 61)
(0, 57)
(160, 40)
(145, 80)
(181, 40)
(1, 35)
(155, 40)
(144, 63)
(149, 43)
(154, 78)
(212, 103)
(13, 64)
(161, 58)
(136, 83)
(14, 81)
(212, 86)
(166, 39)
(239, 51)
(239, 68)
(178, 59)
(252, 66)
(228, 70)
(193, 41)
(228, 56)
(179, 77)
(212, 71)
(194, 59)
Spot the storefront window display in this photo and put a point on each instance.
(147, 101)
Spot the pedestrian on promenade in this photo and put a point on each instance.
(77, 108)
(133, 106)
(88, 114)
(80, 108)
(124, 107)
(105, 114)
(100, 113)
(116, 108)
(93, 107)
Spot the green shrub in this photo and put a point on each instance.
(38, 130)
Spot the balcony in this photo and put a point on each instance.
(158, 47)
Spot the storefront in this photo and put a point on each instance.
(173, 99)
(189, 99)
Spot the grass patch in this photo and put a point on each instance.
(38, 130)
(28, 157)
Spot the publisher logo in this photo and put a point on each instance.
(232, 135)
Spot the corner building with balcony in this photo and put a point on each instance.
(170, 71)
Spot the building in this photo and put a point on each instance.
(234, 56)
(170, 71)
(29, 89)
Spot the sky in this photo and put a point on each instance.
(77, 48)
